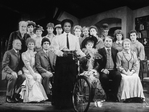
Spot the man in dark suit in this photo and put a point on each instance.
(11, 71)
(20, 34)
(45, 61)
(108, 69)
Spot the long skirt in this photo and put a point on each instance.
(130, 87)
(93, 78)
(33, 90)
(64, 78)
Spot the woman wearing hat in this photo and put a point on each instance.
(58, 29)
(92, 36)
(38, 38)
(66, 68)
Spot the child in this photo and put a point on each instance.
(89, 68)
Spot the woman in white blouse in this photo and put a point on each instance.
(66, 68)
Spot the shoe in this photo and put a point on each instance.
(18, 99)
(57, 107)
(49, 97)
(128, 100)
(115, 99)
(10, 100)
(137, 100)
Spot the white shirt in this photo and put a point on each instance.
(60, 43)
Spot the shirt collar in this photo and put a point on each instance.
(45, 51)
(119, 42)
(133, 42)
(15, 50)
(67, 33)
(107, 48)
(127, 52)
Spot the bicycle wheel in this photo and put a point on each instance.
(81, 96)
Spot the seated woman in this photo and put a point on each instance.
(89, 68)
(33, 90)
(127, 63)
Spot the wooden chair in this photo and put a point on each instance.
(144, 75)
(143, 69)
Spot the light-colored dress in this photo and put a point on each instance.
(37, 43)
(92, 52)
(33, 90)
(130, 86)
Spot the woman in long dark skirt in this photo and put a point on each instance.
(66, 67)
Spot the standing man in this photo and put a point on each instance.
(45, 62)
(108, 69)
(12, 71)
(104, 30)
(50, 30)
(50, 35)
(66, 68)
(138, 48)
(21, 34)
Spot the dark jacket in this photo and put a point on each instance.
(45, 63)
(11, 62)
(103, 53)
(17, 35)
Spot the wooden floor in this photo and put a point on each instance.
(46, 107)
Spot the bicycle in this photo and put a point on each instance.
(81, 95)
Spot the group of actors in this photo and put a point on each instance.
(41, 68)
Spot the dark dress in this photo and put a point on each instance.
(64, 78)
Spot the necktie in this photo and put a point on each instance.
(108, 50)
(18, 54)
(67, 42)
(46, 53)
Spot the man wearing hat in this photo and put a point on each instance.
(104, 30)
(66, 68)
(50, 30)
(30, 28)
(58, 29)
(45, 61)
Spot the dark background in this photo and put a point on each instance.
(44, 11)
